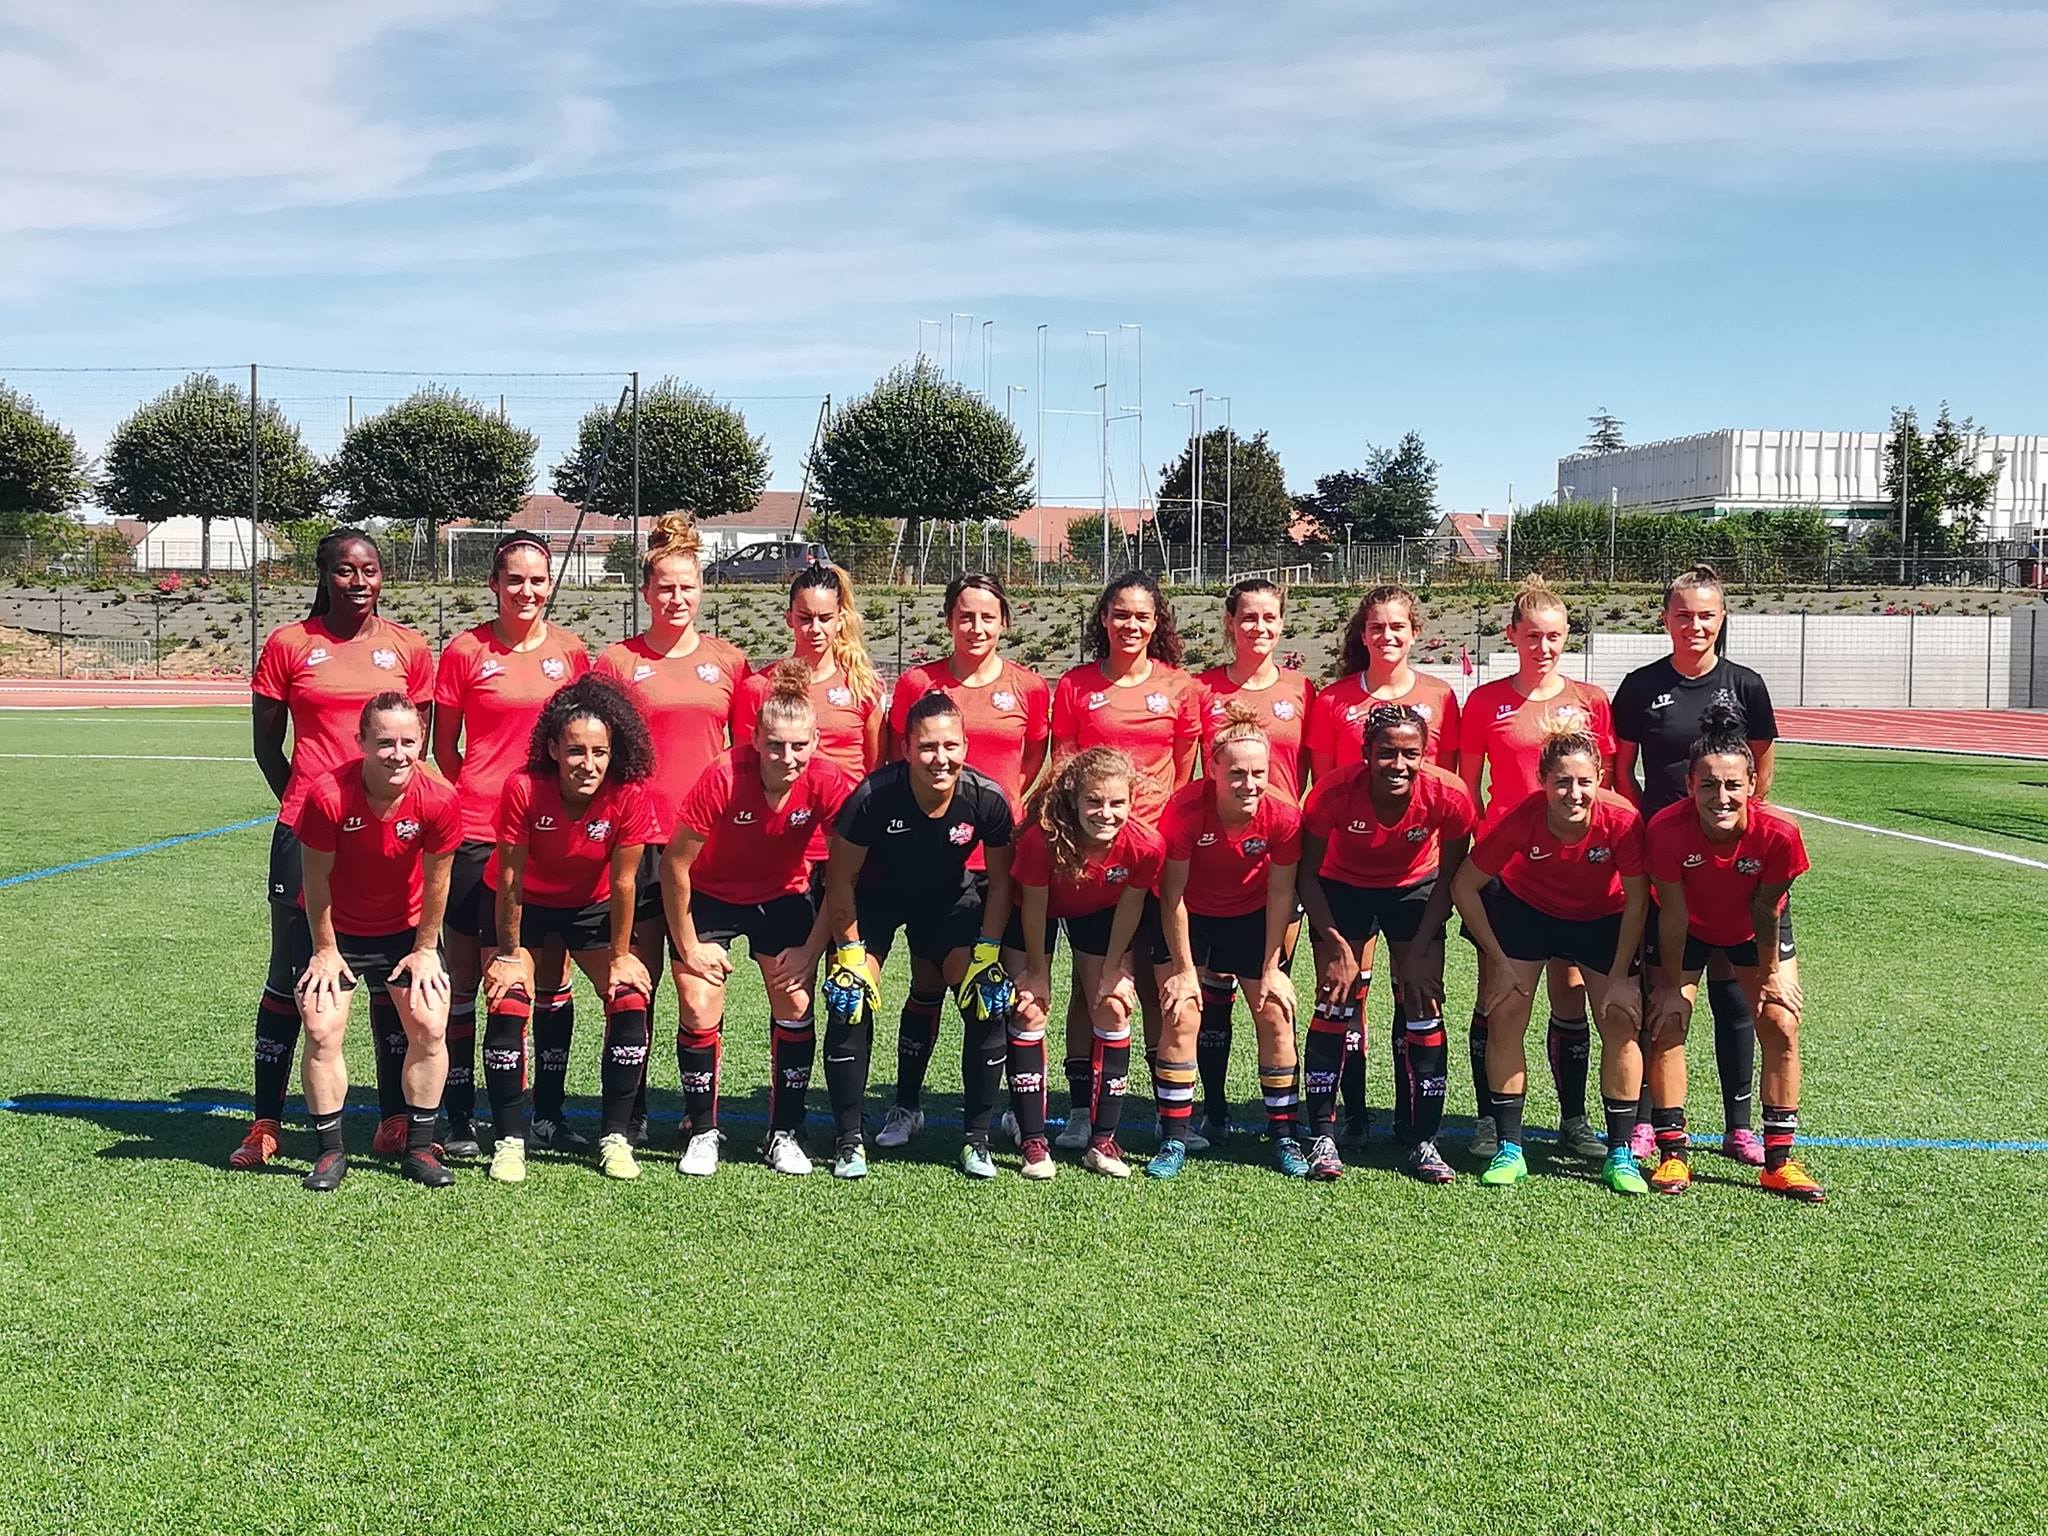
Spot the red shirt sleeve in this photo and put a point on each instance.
(274, 668)
(1317, 815)
(1461, 815)
(443, 820)
(1148, 857)
(319, 817)
(419, 671)
(1284, 846)
(1497, 844)
(1786, 860)
(1037, 709)
(1066, 726)
(707, 799)
(512, 805)
(1180, 826)
(1602, 715)
(746, 707)
(636, 817)
(1187, 720)
(909, 688)
(1660, 851)
(451, 681)
(1628, 841)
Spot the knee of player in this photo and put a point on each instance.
(325, 1024)
(1778, 1025)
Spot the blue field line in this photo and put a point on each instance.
(37, 1104)
(133, 853)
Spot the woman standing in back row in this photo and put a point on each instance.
(846, 695)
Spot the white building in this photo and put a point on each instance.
(1842, 473)
(175, 544)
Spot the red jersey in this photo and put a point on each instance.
(378, 880)
(568, 857)
(1570, 880)
(1283, 710)
(1720, 879)
(1336, 726)
(1227, 868)
(1507, 729)
(753, 854)
(1360, 849)
(1132, 863)
(687, 702)
(1147, 723)
(499, 692)
(1001, 718)
(325, 682)
(842, 718)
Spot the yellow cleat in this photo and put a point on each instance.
(1794, 1182)
(615, 1158)
(508, 1160)
(1673, 1175)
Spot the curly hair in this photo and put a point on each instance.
(674, 535)
(1354, 656)
(594, 697)
(327, 554)
(1387, 717)
(1165, 643)
(849, 650)
(1056, 808)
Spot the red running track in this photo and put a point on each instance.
(1987, 732)
(121, 693)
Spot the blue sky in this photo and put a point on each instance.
(1353, 218)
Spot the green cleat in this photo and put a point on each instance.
(508, 1160)
(1508, 1167)
(851, 1163)
(976, 1163)
(1620, 1173)
(615, 1159)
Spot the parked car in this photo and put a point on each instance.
(771, 560)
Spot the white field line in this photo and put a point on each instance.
(1914, 837)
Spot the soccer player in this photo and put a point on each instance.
(738, 865)
(494, 681)
(825, 632)
(1374, 669)
(572, 822)
(1134, 697)
(1083, 860)
(1658, 710)
(1383, 840)
(1281, 700)
(1721, 864)
(1560, 877)
(900, 851)
(312, 680)
(684, 683)
(1226, 903)
(377, 839)
(1007, 712)
(1502, 730)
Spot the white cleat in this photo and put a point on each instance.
(899, 1126)
(785, 1154)
(700, 1157)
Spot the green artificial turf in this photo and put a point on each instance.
(186, 1349)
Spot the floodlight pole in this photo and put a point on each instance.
(1102, 393)
(1038, 463)
(635, 611)
(1195, 483)
(255, 530)
(1229, 460)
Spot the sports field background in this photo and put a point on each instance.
(182, 1348)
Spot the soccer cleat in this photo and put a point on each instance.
(1578, 1137)
(976, 1163)
(850, 1163)
(1745, 1146)
(898, 1126)
(259, 1146)
(1507, 1167)
(700, 1154)
(1357, 1128)
(1424, 1162)
(508, 1160)
(785, 1154)
(427, 1168)
(1791, 1180)
(327, 1172)
(615, 1158)
(1324, 1165)
(636, 1131)
(1289, 1158)
(1642, 1141)
(1009, 1128)
(558, 1136)
(1673, 1175)
(1216, 1128)
(390, 1138)
(1105, 1157)
(1621, 1174)
(1076, 1133)
(1485, 1138)
(461, 1141)
(1038, 1163)
(1168, 1161)
(1190, 1138)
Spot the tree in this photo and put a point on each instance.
(431, 458)
(1246, 473)
(186, 454)
(1946, 493)
(695, 456)
(42, 473)
(1605, 436)
(919, 447)
(863, 547)
(1392, 497)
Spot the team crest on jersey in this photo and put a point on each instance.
(1003, 699)
(1599, 855)
(707, 671)
(1253, 847)
(1695, 860)
(800, 817)
(839, 696)
(1417, 834)
(1116, 874)
(642, 672)
(316, 655)
(598, 830)
(961, 835)
(1097, 700)
(1205, 840)
(489, 670)
(384, 657)
(1155, 703)
(1283, 709)
(555, 668)
(352, 824)
(1749, 866)
(405, 830)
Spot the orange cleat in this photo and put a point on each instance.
(1792, 1181)
(1673, 1175)
(258, 1147)
(390, 1138)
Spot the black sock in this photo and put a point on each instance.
(1424, 1069)
(554, 1027)
(1352, 1085)
(387, 1034)
(1734, 1050)
(1621, 1120)
(1781, 1129)
(848, 1050)
(640, 1093)
(328, 1129)
(1027, 1080)
(277, 1037)
(625, 1060)
(1507, 1117)
(505, 1065)
(1212, 1049)
(697, 1066)
(984, 1052)
(1080, 1085)
(1672, 1140)
(1323, 1065)
(917, 1035)
(1569, 1045)
(1111, 1064)
(792, 1049)
(1404, 1087)
(1475, 1047)
(419, 1127)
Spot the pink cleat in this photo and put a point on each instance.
(1745, 1146)
(1642, 1143)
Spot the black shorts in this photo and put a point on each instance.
(769, 927)
(1151, 937)
(287, 877)
(1231, 946)
(374, 959)
(935, 925)
(471, 904)
(1530, 933)
(1360, 911)
(647, 885)
(580, 929)
(1698, 951)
